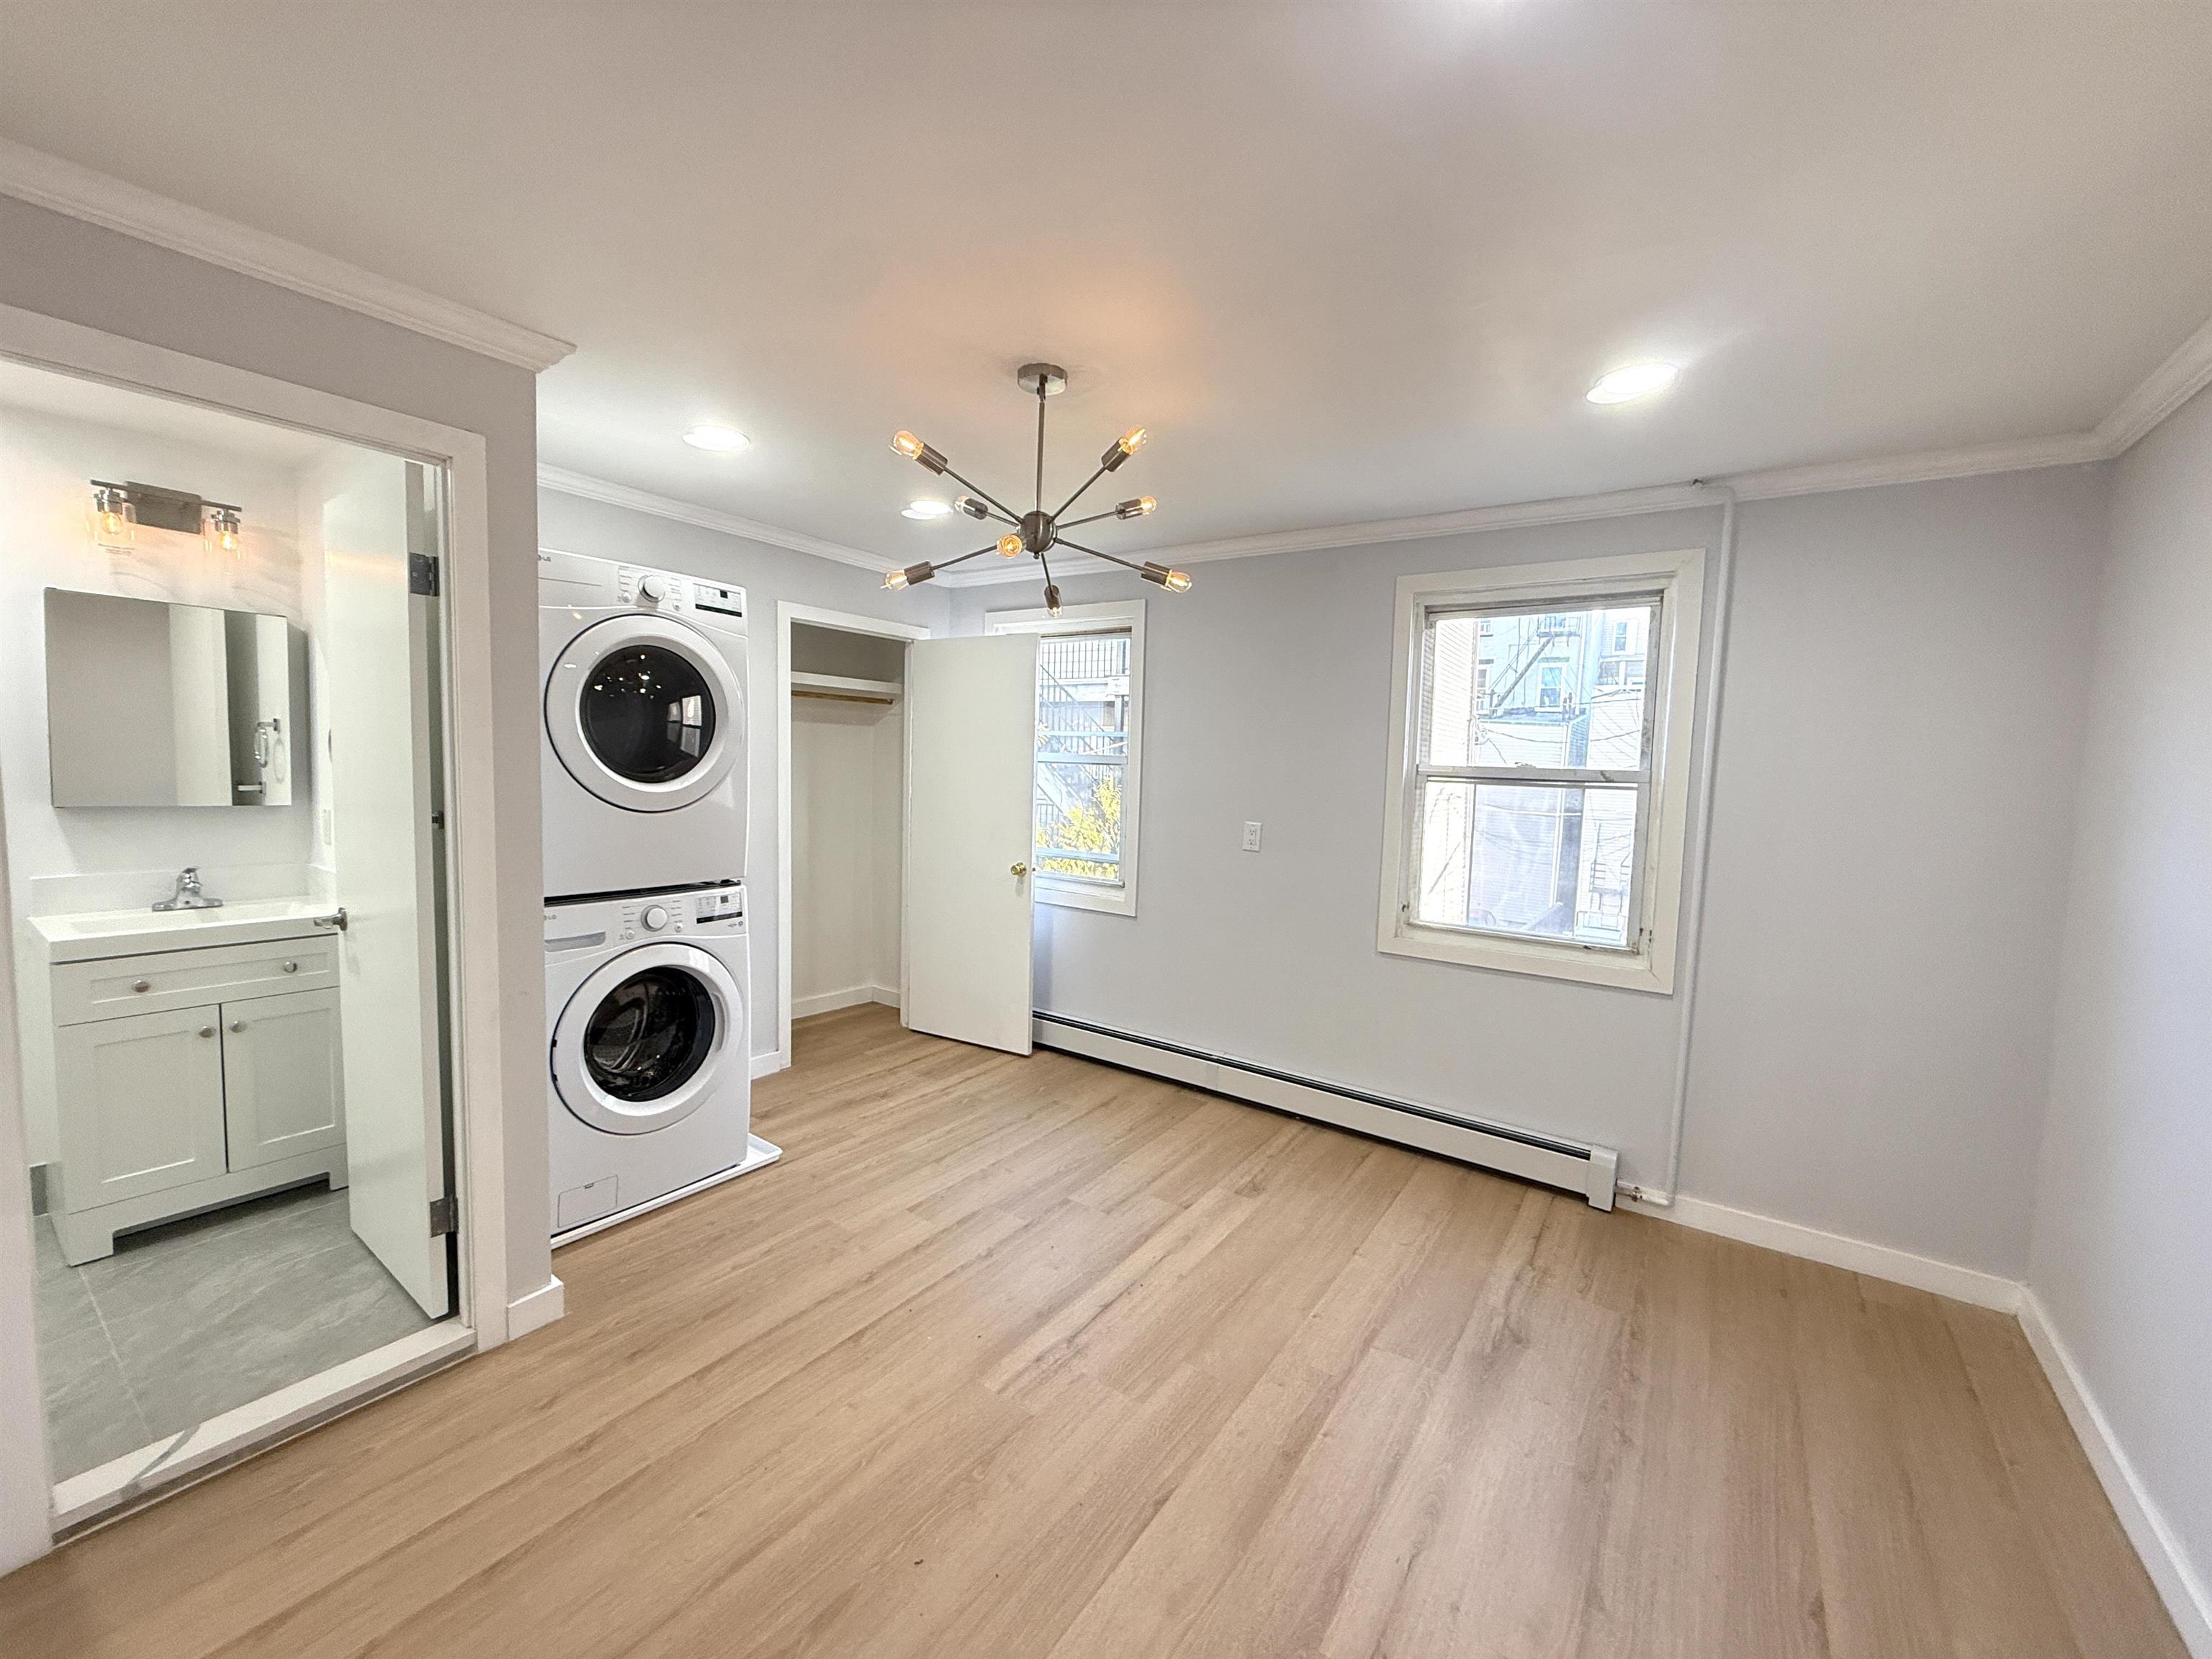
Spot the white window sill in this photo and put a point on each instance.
(1119, 900)
(1628, 970)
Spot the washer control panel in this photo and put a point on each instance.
(626, 919)
(715, 603)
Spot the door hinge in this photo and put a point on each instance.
(422, 573)
(445, 1215)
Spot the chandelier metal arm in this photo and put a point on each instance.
(1090, 518)
(1042, 395)
(1096, 553)
(947, 564)
(1078, 496)
(984, 495)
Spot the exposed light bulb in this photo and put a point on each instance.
(926, 509)
(1176, 581)
(1132, 440)
(972, 507)
(1052, 599)
(912, 576)
(1009, 545)
(1635, 380)
(1134, 509)
(908, 446)
(114, 520)
(722, 440)
(223, 525)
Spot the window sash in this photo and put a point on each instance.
(1641, 779)
(1048, 756)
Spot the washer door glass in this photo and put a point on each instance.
(648, 714)
(650, 1034)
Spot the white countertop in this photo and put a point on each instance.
(93, 935)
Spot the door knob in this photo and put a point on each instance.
(1021, 869)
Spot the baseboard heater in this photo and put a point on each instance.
(1588, 1170)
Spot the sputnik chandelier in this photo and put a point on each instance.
(1038, 532)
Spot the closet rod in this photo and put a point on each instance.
(842, 696)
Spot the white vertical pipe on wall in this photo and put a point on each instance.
(1709, 730)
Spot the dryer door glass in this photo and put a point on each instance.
(650, 1034)
(648, 714)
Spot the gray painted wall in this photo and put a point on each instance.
(64, 268)
(572, 525)
(1892, 824)
(2122, 1251)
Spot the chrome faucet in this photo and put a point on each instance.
(188, 895)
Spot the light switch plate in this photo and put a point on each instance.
(1251, 837)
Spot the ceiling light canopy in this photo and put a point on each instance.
(1635, 380)
(1035, 531)
(722, 440)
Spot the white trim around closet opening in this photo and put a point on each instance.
(851, 623)
(471, 841)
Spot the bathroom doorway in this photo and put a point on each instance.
(224, 793)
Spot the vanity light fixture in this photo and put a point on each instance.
(1036, 531)
(224, 525)
(114, 518)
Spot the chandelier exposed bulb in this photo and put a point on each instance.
(915, 449)
(1176, 581)
(1134, 509)
(1121, 448)
(972, 507)
(912, 576)
(1052, 600)
(1009, 545)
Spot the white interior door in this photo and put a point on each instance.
(376, 642)
(970, 757)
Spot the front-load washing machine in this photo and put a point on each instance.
(651, 1070)
(644, 752)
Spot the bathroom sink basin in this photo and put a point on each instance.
(94, 933)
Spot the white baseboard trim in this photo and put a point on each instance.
(851, 997)
(1855, 1255)
(541, 1307)
(2184, 1593)
(767, 1064)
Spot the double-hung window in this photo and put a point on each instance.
(1089, 701)
(1540, 733)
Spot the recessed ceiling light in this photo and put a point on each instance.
(926, 509)
(720, 439)
(1636, 380)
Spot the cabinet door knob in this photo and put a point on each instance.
(207, 1030)
(291, 967)
(141, 985)
(1019, 869)
(237, 1025)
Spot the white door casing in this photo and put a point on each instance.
(382, 751)
(971, 756)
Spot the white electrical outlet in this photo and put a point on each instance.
(1251, 837)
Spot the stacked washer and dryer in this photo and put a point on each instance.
(648, 977)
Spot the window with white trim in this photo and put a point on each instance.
(1091, 665)
(1540, 722)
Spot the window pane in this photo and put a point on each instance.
(1560, 687)
(1082, 695)
(1542, 863)
(1078, 818)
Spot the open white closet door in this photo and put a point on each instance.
(970, 759)
(379, 641)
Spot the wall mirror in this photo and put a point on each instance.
(153, 704)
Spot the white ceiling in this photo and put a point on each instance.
(1347, 262)
(123, 409)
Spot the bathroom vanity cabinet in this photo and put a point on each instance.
(184, 1078)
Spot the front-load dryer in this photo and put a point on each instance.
(650, 1084)
(644, 752)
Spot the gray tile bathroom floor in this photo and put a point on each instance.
(198, 1317)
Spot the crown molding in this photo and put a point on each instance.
(562, 481)
(2015, 455)
(48, 181)
(2165, 389)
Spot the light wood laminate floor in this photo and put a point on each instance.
(1039, 1359)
